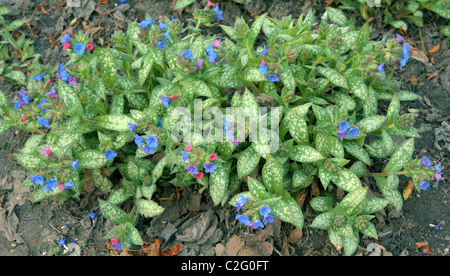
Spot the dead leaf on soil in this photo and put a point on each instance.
(419, 55)
(435, 49)
(407, 191)
(413, 80)
(423, 246)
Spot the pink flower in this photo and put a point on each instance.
(210, 4)
(46, 151)
(199, 175)
(90, 46)
(213, 156)
(217, 43)
(49, 81)
(72, 81)
(235, 142)
(186, 167)
(62, 186)
(24, 119)
(264, 62)
(188, 147)
(437, 176)
(66, 46)
(174, 98)
(114, 241)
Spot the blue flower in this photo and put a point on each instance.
(159, 123)
(218, 12)
(399, 38)
(43, 122)
(148, 149)
(110, 154)
(256, 224)
(116, 246)
(424, 185)
(240, 202)
(65, 39)
(405, 56)
(344, 126)
(62, 242)
(79, 48)
(268, 219)
(227, 129)
(152, 141)
(165, 101)
(121, 3)
(64, 76)
(264, 51)
(210, 167)
(51, 94)
(426, 161)
(211, 54)
(131, 126)
(138, 140)
(38, 77)
(68, 185)
(438, 168)
(273, 78)
(50, 185)
(264, 210)
(166, 35)
(263, 68)
(161, 45)
(187, 54)
(75, 165)
(37, 179)
(146, 23)
(341, 134)
(193, 169)
(162, 26)
(381, 68)
(243, 219)
(43, 101)
(185, 156)
(92, 215)
(353, 132)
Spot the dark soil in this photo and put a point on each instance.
(31, 229)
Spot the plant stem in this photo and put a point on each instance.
(198, 25)
(15, 119)
(386, 174)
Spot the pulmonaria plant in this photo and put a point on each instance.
(252, 125)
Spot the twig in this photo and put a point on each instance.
(271, 7)
(423, 46)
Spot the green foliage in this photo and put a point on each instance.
(153, 117)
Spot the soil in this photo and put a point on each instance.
(191, 219)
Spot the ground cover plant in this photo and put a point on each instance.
(105, 119)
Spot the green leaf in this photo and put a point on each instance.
(118, 196)
(337, 16)
(347, 180)
(5, 125)
(218, 182)
(358, 152)
(288, 210)
(112, 212)
(108, 67)
(363, 37)
(400, 157)
(255, 29)
(300, 179)
(253, 74)
(148, 208)
(333, 76)
(393, 111)
(325, 177)
(304, 153)
(257, 189)
(353, 202)
(29, 160)
(272, 174)
(247, 162)
(91, 159)
(147, 65)
(374, 205)
(180, 4)
(117, 122)
(323, 221)
(372, 123)
(350, 244)
(70, 97)
(132, 234)
(358, 87)
(392, 195)
(322, 204)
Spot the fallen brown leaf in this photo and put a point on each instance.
(419, 55)
(435, 49)
(407, 191)
(413, 80)
(423, 246)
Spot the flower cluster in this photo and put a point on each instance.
(78, 48)
(193, 158)
(23, 99)
(256, 216)
(229, 132)
(346, 130)
(263, 69)
(437, 172)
